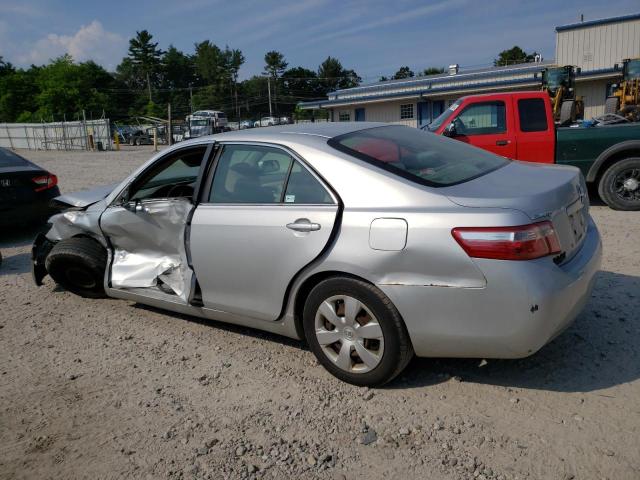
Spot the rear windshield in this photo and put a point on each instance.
(420, 156)
(10, 159)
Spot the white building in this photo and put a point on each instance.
(597, 48)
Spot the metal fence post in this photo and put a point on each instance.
(26, 136)
(9, 136)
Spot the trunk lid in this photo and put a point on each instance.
(542, 192)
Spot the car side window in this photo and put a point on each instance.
(533, 115)
(304, 188)
(482, 119)
(250, 174)
(171, 177)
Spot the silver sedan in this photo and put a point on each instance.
(373, 242)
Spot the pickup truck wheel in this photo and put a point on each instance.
(78, 264)
(619, 187)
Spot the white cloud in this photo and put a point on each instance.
(90, 42)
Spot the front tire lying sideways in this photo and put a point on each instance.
(355, 332)
(78, 264)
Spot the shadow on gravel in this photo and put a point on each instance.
(599, 350)
(13, 237)
(229, 327)
(15, 264)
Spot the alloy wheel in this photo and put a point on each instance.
(349, 334)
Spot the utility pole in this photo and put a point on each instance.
(191, 97)
(169, 127)
(269, 89)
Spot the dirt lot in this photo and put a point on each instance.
(108, 388)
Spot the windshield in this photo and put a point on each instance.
(440, 119)
(420, 156)
(199, 123)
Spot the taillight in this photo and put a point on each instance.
(524, 242)
(44, 182)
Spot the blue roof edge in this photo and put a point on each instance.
(602, 21)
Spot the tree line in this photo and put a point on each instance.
(149, 78)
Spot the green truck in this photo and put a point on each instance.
(520, 125)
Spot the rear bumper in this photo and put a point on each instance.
(36, 210)
(523, 307)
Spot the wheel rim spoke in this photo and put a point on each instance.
(371, 330)
(328, 312)
(352, 308)
(368, 358)
(349, 334)
(326, 337)
(344, 356)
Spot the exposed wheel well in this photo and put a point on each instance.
(305, 289)
(621, 155)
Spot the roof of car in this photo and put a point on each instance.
(299, 133)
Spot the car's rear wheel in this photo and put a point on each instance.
(355, 332)
(78, 265)
(619, 186)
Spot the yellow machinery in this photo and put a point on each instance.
(559, 82)
(625, 98)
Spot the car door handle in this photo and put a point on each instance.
(502, 143)
(303, 225)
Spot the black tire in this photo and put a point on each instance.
(611, 105)
(611, 187)
(78, 265)
(397, 352)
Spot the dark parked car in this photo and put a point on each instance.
(25, 190)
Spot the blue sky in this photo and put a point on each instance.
(373, 37)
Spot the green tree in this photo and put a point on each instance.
(334, 76)
(234, 60)
(18, 90)
(275, 66)
(67, 88)
(6, 68)
(301, 83)
(403, 72)
(178, 72)
(145, 58)
(209, 63)
(432, 71)
(513, 56)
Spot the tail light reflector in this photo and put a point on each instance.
(524, 242)
(45, 182)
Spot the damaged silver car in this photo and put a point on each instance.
(372, 242)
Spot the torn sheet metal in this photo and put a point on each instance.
(149, 246)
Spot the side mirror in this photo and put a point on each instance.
(130, 205)
(450, 131)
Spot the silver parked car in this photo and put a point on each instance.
(372, 242)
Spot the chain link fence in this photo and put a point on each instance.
(79, 135)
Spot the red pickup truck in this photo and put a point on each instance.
(519, 125)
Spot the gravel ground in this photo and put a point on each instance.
(109, 388)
